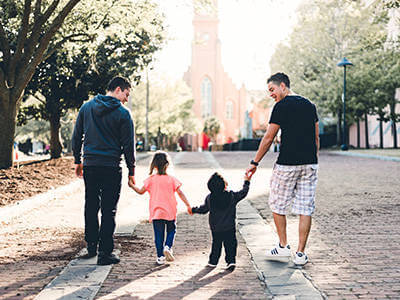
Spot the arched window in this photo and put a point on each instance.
(229, 110)
(206, 97)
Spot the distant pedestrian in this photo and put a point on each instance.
(162, 204)
(105, 128)
(294, 176)
(221, 206)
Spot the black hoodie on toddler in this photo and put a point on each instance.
(222, 208)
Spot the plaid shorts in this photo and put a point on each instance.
(293, 183)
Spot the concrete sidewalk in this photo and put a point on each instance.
(365, 155)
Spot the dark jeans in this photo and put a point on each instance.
(102, 190)
(159, 227)
(228, 238)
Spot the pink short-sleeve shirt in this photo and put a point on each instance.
(162, 204)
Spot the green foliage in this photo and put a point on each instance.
(326, 32)
(212, 126)
(59, 83)
(170, 108)
(67, 77)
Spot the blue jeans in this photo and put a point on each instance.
(159, 227)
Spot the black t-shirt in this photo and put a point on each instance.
(296, 117)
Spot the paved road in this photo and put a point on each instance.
(353, 244)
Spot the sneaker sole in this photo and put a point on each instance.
(279, 258)
(300, 264)
(169, 256)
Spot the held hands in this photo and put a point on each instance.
(189, 210)
(250, 171)
(79, 170)
(248, 175)
(131, 181)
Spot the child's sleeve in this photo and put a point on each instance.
(237, 196)
(202, 209)
(147, 183)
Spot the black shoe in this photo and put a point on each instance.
(88, 255)
(109, 259)
(230, 267)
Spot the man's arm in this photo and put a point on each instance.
(128, 145)
(317, 137)
(77, 140)
(266, 142)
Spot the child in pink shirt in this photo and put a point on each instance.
(162, 204)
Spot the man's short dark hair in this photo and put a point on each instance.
(278, 78)
(118, 81)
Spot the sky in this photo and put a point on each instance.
(249, 31)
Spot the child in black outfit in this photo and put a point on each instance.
(222, 218)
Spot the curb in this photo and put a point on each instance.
(387, 158)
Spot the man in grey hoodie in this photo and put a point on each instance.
(105, 129)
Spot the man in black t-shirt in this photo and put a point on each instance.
(294, 176)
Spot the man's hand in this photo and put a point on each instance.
(131, 181)
(79, 170)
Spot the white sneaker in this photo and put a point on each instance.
(211, 265)
(278, 253)
(161, 260)
(168, 253)
(300, 259)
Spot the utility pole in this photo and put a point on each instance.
(146, 137)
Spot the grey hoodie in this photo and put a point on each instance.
(106, 130)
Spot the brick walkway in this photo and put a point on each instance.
(353, 244)
(138, 276)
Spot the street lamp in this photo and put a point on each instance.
(343, 63)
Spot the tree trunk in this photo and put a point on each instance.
(394, 126)
(358, 133)
(55, 144)
(366, 131)
(380, 133)
(8, 112)
(394, 130)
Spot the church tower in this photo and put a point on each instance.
(213, 91)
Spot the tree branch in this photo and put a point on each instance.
(36, 32)
(20, 42)
(37, 12)
(70, 37)
(44, 42)
(106, 14)
(4, 45)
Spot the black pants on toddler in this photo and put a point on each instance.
(228, 238)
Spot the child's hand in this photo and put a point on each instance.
(130, 184)
(248, 175)
(189, 209)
